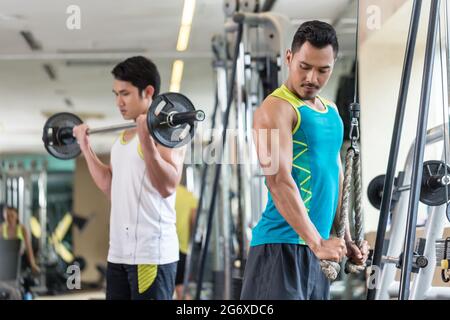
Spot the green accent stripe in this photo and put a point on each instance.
(302, 152)
(300, 143)
(305, 190)
(146, 276)
(306, 180)
(306, 200)
(303, 169)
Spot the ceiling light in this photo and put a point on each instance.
(177, 75)
(186, 22)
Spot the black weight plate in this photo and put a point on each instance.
(161, 107)
(58, 146)
(428, 195)
(375, 191)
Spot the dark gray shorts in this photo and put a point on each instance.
(283, 272)
(125, 282)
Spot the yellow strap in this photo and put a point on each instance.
(122, 137)
(5, 231)
(284, 94)
(146, 276)
(141, 154)
(19, 233)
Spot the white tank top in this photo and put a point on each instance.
(142, 222)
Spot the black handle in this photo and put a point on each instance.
(178, 118)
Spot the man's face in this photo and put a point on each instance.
(11, 216)
(310, 69)
(130, 103)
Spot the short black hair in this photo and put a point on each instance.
(140, 71)
(320, 34)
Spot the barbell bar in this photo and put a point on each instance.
(171, 120)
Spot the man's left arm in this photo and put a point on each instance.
(164, 165)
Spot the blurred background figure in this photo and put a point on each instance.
(12, 229)
(186, 208)
(14, 237)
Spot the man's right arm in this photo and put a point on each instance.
(100, 172)
(275, 117)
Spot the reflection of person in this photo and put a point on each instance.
(186, 208)
(140, 182)
(11, 230)
(293, 233)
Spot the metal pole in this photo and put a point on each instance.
(418, 152)
(395, 142)
(187, 269)
(242, 104)
(218, 166)
(225, 192)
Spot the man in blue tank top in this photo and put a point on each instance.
(293, 234)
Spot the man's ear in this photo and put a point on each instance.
(148, 92)
(289, 55)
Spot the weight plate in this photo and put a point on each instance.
(429, 194)
(157, 120)
(57, 136)
(375, 192)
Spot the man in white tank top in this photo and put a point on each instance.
(140, 181)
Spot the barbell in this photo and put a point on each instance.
(435, 183)
(171, 120)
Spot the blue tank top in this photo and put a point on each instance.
(317, 140)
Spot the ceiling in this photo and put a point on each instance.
(81, 60)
